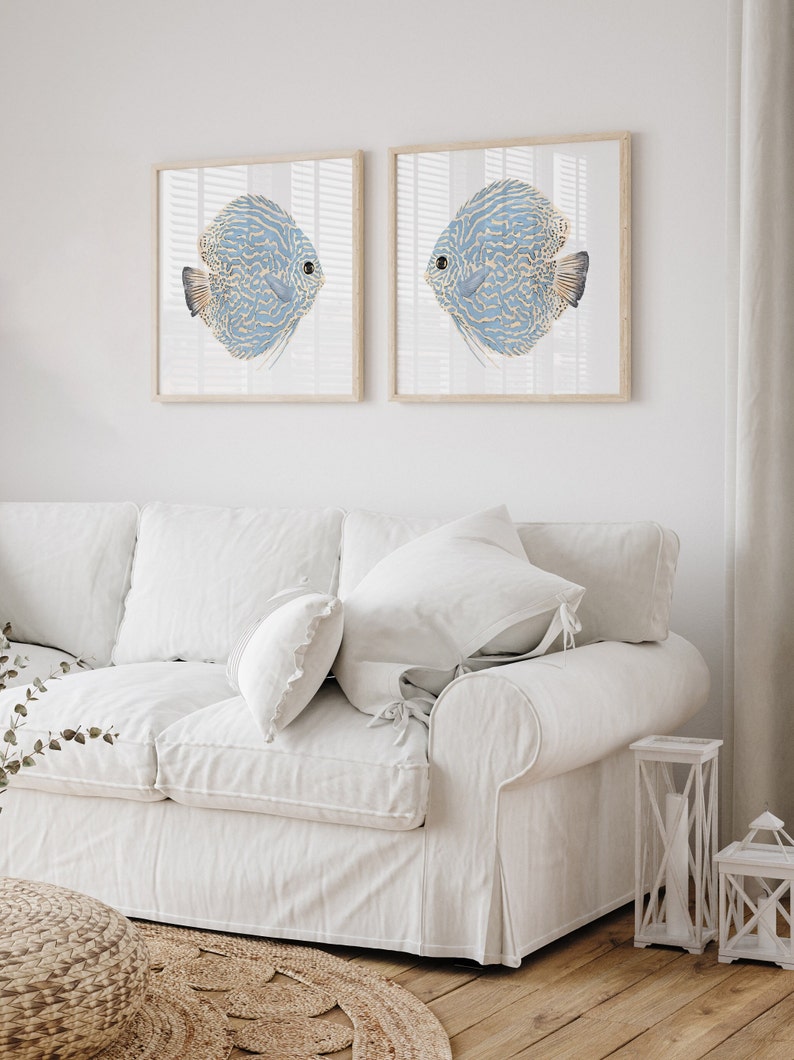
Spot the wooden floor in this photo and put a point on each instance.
(594, 994)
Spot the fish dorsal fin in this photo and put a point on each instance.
(570, 276)
(197, 289)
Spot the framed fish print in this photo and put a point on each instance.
(257, 279)
(510, 270)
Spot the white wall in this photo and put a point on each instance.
(95, 92)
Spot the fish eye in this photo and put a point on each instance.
(441, 262)
(308, 267)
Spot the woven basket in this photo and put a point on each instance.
(73, 972)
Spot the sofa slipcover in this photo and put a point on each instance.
(329, 764)
(513, 826)
(522, 841)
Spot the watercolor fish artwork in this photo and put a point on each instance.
(262, 277)
(496, 269)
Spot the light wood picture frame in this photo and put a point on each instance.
(257, 279)
(510, 270)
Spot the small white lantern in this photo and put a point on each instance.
(675, 841)
(755, 896)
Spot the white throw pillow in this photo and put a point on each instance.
(628, 568)
(423, 612)
(280, 661)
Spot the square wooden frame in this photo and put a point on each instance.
(322, 360)
(411, 240)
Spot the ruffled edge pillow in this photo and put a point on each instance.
(421, 615)
(281, 659)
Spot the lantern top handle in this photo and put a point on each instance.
(767, 822)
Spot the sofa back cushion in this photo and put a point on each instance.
(64, 573)
(627, 569)
(202, 574)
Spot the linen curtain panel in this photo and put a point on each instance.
(760, 474)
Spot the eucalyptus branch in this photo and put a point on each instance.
(12, 757)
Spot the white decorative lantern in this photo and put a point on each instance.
(675, 841)
(755, 896)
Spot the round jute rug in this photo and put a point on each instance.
(213, 996)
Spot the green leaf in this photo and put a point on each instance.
(10, 674)
(38, 683)
(65, 667)
(68, 734)
(79, 737)
(38, 746)
(12, 768)
(28, 761)
(93, 732)
(54, 745)
(10, 737)
(108, 738)
(21, 709)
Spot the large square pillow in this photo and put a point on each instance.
(201, 574)
(280, 660)
(421, 614)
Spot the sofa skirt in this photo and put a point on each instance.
(563, 856)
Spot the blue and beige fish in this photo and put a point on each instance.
(495, 269)
(262, 276)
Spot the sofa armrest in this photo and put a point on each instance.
(496, 733)
(546, 716)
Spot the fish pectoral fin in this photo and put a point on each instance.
(570, 277)
(197, 289)
(282, 290)
(471, 283)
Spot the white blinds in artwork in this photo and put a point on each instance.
(432, 356)
(318, 359)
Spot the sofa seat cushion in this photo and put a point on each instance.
(137, 701)
(329, 764)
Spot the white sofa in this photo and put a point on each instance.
(505, 824)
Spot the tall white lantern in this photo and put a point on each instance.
(755, 896)
(675, 841)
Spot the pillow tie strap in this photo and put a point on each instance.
(571, 624)
(565, 621)
(462, 668)
(400, 713)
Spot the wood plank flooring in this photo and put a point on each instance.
(593, 994)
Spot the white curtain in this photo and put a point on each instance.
(759, 726)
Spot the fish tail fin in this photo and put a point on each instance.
(197, 289)
(570, 277)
